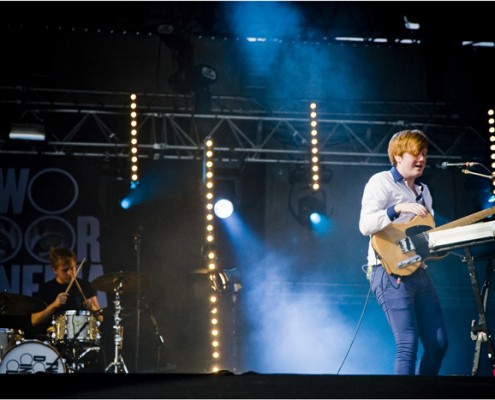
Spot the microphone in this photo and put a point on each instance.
(446, 165)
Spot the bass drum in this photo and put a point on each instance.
(31, 357)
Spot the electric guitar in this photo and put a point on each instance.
(403, 247)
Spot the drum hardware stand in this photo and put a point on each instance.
(118, 364)
(75, 363)
(71, 355)
(73, 347)
(161, 340)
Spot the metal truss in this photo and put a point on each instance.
(97, 124)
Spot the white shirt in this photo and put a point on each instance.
(382, 192)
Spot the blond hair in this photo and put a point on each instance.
(62, 256)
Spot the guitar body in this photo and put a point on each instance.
(403, 247)
(399, 245)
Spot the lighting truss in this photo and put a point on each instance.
(95, 124)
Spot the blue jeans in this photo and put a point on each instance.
(413, 313)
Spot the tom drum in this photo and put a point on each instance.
(8, 339)
(76, 326)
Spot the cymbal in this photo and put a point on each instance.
(127, 281)
(18, 304)
(125, 312)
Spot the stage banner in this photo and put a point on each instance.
(44, 204)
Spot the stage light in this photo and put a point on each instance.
(134, 157)
(491, 139)
(315, 217)
(192, 79)
(223, 208)
(165, 29)
(412, 26)
(315, 158)
(226, 194)
(125, 204)
(28, 132)
(209, 246)
(311, 209)
(307, 204)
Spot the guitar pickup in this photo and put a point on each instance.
(406, 245)
(409, 261)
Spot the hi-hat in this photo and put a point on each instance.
(125, 312)
(125, 281)
(18, 304)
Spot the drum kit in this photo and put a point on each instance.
(74, 343)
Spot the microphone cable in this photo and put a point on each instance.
(358, 325)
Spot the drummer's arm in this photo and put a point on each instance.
(44, 315)
(92, 304)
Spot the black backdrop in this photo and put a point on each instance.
(76, 202)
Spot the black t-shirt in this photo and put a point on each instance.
(50, 290)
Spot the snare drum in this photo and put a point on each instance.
(30, 357)
(79, 326)
(9, 338)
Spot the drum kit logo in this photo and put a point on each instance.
(75, 334)
(30, 357)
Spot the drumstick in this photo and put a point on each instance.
(80, 290)
(75, 276)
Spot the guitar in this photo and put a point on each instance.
(403, 247)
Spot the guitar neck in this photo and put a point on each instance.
(470, 219)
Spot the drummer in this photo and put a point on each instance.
(64, 292)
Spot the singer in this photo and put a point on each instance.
(410, 303)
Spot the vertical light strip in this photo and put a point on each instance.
(134, 143)
(211, 256)
(491, 131)
(315, 156)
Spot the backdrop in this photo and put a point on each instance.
(295, 298)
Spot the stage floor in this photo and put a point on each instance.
(248, 385)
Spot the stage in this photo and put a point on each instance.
(248, 385)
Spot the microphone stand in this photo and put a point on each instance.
(137, 249)
(466, 171)
(480, 332)
(161, 340)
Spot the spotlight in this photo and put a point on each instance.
(226, 194)
(315, 217)
(311, 210)
(125, 203)
(165, 29)
(412, 26)
(192, 79)
(223, 208)
(226, 279)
